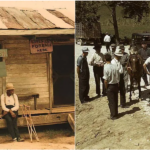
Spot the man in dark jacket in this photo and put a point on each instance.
(83, 75)
(145, 53)
(113, 49)
(124, 77)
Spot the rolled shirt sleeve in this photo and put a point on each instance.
(16, 107)
(3, 104)
(79, 61)
(147, 61)
(91, 61)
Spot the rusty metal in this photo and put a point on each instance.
(62, 16)
(9, 20)
(14, 18)
(39, 19)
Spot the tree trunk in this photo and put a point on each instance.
(115, 24)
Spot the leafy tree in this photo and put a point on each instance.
(131, 9)
(87, 11)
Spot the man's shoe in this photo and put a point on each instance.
(15, 140)
(114, 118)
(104, 95)
(20, 139)
(98, 95)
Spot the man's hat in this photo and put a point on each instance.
(143, 42)
(121, 46)
(113, 45)
(9, 86)
(97, 46)
(85, 49)
(118, 52)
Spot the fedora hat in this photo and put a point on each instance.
(118, 52)
(96, 46)
(85, 49)
(9, 86)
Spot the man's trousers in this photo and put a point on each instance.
(112, 94)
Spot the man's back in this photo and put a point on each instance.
(111, 74)
(107, 38)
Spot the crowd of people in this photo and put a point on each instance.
(111, 69)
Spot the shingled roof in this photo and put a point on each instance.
(27, 19)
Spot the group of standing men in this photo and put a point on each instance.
(111, 69)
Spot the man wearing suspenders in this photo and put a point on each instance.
(10, 106)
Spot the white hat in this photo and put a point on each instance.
(118, 52)
(9, 86)
(85, 49)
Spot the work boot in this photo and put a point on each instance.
(14, 140)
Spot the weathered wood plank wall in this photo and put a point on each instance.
(28, 72)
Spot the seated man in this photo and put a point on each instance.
(10, 106)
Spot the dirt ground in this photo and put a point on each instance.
(51, 137)
(95, 131)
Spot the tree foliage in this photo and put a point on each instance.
(135, 10)
(87, 11)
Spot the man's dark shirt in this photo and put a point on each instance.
(84, 68)
(144, 53)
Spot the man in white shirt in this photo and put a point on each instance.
(147, 62)
(116, 62)
(107, 40)
(97, 61)
(111, 79)
(10, 106)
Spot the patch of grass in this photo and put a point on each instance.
(53, 133)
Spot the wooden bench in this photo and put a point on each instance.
(30, 95)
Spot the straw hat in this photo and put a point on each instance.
(9, 86)
(118, 52)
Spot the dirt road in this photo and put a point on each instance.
(51, 137)
(95, 131)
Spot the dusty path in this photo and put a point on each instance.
(50, 138)
(95, 131)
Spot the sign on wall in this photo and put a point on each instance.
(41, 46)
(3, 69)
(3, 53)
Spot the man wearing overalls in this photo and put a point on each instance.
(83, 75)
(10, 106)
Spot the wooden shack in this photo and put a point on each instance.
(43, 80)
